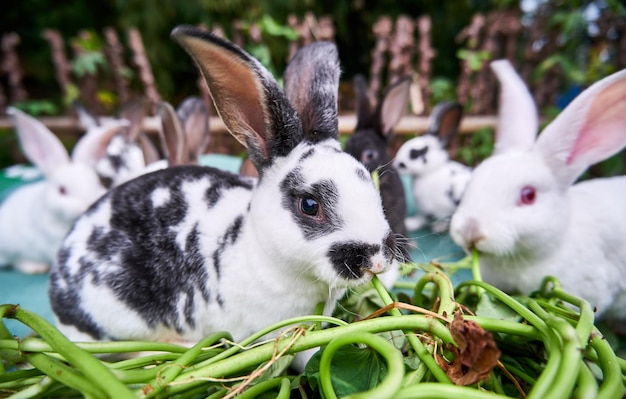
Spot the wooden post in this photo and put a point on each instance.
(382, 30)
(62, 66)
(402, 49)
(115, 54)
(11, 65)
(424, 66)
(145, 71)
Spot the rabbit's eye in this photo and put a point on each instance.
(527, 195)
(369, 155)
(62, 190)
(309, 206)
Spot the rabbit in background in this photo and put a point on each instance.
(183, 134)
(35, 218)
(522, 210)
(438, 181)
(129, 151)
(369, 144)
(189, 250)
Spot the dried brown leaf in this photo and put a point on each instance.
(475, 355)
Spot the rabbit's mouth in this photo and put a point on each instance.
(355, 260)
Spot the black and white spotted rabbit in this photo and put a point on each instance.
(185, 251)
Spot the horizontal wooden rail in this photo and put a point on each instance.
(407, 125)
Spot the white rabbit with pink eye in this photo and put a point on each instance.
(522, 210)
(438, 181)
(35, 218)
(176, 254)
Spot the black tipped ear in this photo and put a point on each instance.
(363, 106)
(312, 85)
(246, 96)
(445, 120)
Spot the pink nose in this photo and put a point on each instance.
(470, 231)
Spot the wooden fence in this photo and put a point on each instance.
(402, 47)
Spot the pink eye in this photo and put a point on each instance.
(527, 195)
(62, 190)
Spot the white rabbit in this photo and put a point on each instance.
(438, 181)
(188, 250)
(35, 218)
(525, 216)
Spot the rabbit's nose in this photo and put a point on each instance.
(471, 232)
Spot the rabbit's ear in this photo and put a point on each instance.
(85, 118)
(171, 134)
(134, 112)
(590, 129)
(150, 151)
(364, 112)
(194, 117)
(92, 145)
(394, 105)
(39, 144)
(312, 84)
(444, 121)
(518, 120)
(246, 96)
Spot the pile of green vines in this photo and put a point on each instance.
(550, 348)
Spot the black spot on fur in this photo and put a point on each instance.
(117, 162)
(228, 239)
(362, 175)
(215, 192)
(307, 154)
(65, 300)
(421, 153)
(456, 200)
(352, 259)
(156, 272)
(324, 192)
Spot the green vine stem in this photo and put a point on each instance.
(250, 358)
(93, 370)
(420, 349)
(395, 365)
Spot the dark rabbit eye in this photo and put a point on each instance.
(527, 195)
(309, 206)
(62, 190)
(369, 155)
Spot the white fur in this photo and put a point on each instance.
(572, 232)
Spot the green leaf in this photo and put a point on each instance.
(490, 307)
(271, 27)
(353, 369)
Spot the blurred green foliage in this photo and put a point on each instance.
(176, 76)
